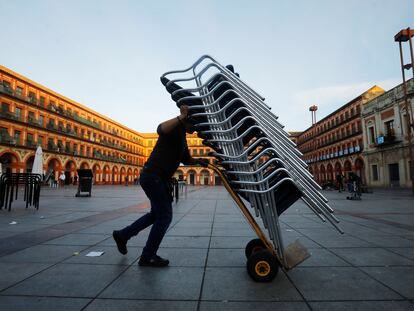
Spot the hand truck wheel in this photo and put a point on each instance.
(254, 246)
(262, 266)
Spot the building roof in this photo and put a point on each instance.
(368, 94)
(51, 92)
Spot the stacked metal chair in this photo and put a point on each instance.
(260, 161)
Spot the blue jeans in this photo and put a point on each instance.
(160, 216)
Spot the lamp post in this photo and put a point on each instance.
(403, 36)
(313, 110)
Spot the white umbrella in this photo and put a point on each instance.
(38, 162)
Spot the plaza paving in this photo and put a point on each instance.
(43, 264)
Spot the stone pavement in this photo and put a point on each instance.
(43, 264)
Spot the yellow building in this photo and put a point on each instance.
(73, 136)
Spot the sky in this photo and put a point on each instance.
(109, 55)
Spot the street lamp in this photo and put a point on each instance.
(313, 109)
(403, 36)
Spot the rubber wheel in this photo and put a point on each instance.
(262, 266)
(254, 246)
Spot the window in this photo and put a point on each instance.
(389, 128)
(40, 140)
(18, 113)
(7, 85)
(5, 107)
(60, 146)
(50, 144)
(4, 132)
(32, 97)
(371, 135)
(29, 137)
(67, 147)
(374, 172)
(31, 117)
(19, 91)
(42, 101)
(41, 120)
(17, 136)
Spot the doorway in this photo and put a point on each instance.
(394, 173)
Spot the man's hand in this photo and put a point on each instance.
(184, 112)
(202, 162)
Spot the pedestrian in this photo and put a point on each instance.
(62, 178)
(170, 150)
(52, 180)
(75, 180)
(339, 182)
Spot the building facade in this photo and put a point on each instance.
(334, 145)
(385, 134)
(73, 136)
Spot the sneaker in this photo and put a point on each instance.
(120, 242)
(154, 261)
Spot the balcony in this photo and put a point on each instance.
(34, 121)
(30, 144)
(386, 140)
(10, 115)
(6, 139)
(52, 126)
(52, 146)
(6, 90)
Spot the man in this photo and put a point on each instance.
(170, 149)
(62, 178)
(339, 182)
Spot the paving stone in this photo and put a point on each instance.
(399, 279)
(229, 231)
(371, 257)
(184, 257)
(133, 305)
(235, 284)
(66, 280)
(362, 306)
(327, 280)
(169, 283)
(12, 273)
(175, 231)
(229, 242)
(388, 241)
(42, 254)
(323, 258)
(20, 303)
(233, 257)
(248, 306)
(339, 283)
(78, 239)
(111, 256)
(407, 252)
